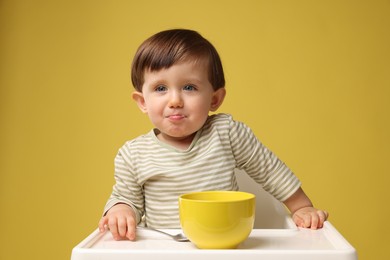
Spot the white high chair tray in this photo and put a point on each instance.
(277, 244)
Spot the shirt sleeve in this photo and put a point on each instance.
(126, 189)
(260, 163)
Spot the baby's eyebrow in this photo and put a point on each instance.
(193, 80)
(181, 82)
(156, 81)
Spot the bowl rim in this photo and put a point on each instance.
(248, 196)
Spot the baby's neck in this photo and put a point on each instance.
(181, 143)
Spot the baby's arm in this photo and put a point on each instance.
(303, 212)
(121, 221)
(124, 208)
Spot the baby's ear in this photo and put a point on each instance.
(138, 97)
(218, 97)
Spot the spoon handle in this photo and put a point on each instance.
(152, 229)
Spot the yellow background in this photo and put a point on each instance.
(311, 78)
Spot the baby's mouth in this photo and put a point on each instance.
(176, 117)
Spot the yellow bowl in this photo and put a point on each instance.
(217, 219)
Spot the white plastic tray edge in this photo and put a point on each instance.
(345, 251)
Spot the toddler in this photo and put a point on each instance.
(178, 79)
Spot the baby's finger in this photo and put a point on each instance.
(314, 220)
(102, 224)
(326, 214)
(323, 216)
(112, 225)
(131, 229)
(122, 227)
(307, 221)
(298, 220)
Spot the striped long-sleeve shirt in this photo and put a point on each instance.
(150, 175)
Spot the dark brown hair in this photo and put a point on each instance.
(170, 47)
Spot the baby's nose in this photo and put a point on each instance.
(175, 100)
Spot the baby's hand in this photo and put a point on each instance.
(121, 221)
(310, 217)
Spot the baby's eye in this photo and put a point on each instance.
(189, 88)
(160, 88)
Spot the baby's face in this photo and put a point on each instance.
(178, 100)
